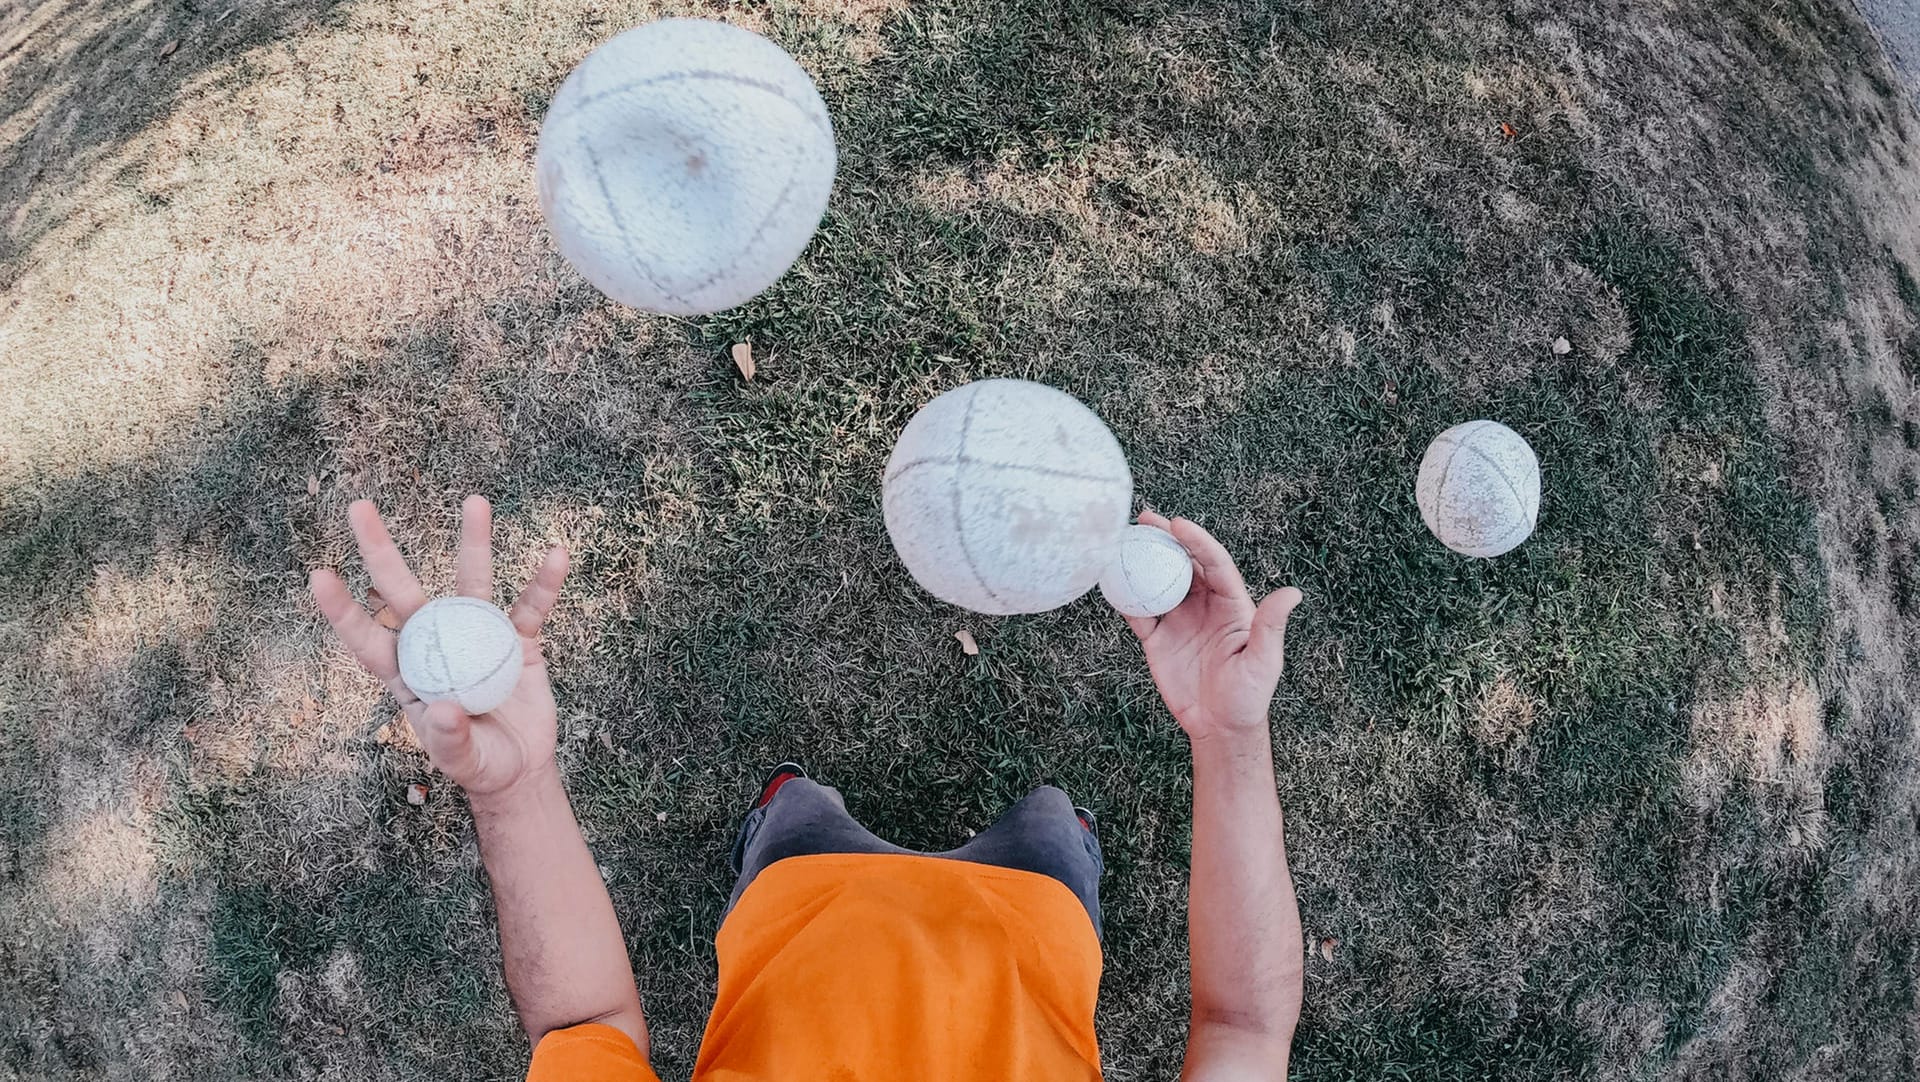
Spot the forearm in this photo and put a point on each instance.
(565, 958)
(1243, 925)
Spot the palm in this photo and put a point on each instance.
(483, 753)
(1216, 657)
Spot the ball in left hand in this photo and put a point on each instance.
(460, 648)
(1150, 573)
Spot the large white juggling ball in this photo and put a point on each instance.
(684, 165)
(1005, 496)
(1479, 488)
(460, 648)
(1150, 573)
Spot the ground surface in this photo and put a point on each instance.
(1897, 24)
(1637, 801)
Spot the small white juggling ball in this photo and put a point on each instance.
(1151, 574)
(684, 165)
(1479, 488)
(460, 648)
(1005, 496)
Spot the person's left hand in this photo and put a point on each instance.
(484, 754)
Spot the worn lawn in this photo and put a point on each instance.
(1641, 800)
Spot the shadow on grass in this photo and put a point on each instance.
(85, 76)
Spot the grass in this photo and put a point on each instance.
(1636, 801)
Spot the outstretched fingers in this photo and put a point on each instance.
(1268, 640)
(371, 644)
(530, 610)
(473, 565)
(385, 565)
(1216, 566)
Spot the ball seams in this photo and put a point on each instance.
(1018, 467)
(505, 659)
(1126, 572)
(959, 519)
(620, 223)
(772, 215)
(434, 651)
(774, 89)
(814, 114)
(1458, 445)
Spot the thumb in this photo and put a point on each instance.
(446, 732)
(1268, 641)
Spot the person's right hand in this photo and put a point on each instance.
(1216, 657)
(485, 754)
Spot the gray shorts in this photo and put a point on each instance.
(1040, 834)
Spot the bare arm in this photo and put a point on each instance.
(566, 960)
(1217, 659)
(565, 957)
(1243, 927)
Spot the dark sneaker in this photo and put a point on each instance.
(1088, 820)
(778, 776)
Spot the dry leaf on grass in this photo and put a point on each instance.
(307, 710)
(384, 734)
(743, 359)
(967, 645)
(1562, 347)
(1326, 948)
(416, 794)
(660, 817)
(169, 48)
(1506, 129)
(313, 485)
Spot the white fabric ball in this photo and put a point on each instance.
(1479, 488)
(460, 648)
(684, 165)
(1151, 574)
(1005, 496)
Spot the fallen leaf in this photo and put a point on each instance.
(384, 734)
(313, 485)
(1562, 347)
(743, 359)
(307, 709)
(179, 999)
(169, 48)
(1326, 948)
(967, 645)
(416, 794)
(1506, 129)
(606, 740)
(660, 816)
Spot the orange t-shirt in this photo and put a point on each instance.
(880, 968)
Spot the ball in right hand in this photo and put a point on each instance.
(460, 648)
(1150, 575)
(1479, 488)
